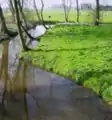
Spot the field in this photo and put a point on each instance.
(58, 15)
(82, 53)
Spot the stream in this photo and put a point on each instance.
(30, 93)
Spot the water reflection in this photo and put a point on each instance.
(4, 75)
(11, 87)
(29, 93)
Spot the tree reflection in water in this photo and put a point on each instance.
(19, 90)
(14, 89)
(15, 95)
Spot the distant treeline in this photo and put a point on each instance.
(85, 6)
(107, 7)
(102, 7)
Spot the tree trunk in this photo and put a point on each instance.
(22, 4)
(42, 18)
(19, 25)
(66, 17)
(67, 7)
(11, 5)
(37, 12)
(22, 14)
(97, 12)
(3, 23)
(65, 12)
(25, 21)
(77, 4)
(4, 26)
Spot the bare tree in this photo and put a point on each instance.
(37, 11)
(42, 8)
(12, 9)
(19, 24)
(67, 7)
(77, 8)
(25, 27)
(41, 12)
(22, 4)
(3, 23)
(11, 6)
(97, 12)
(22, 14)
(4, 28)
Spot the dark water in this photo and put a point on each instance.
(29, 93)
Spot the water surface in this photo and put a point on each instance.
(30, 93)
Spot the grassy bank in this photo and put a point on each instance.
(83, 53)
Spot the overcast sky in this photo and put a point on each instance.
(52, 2)
(49, 3)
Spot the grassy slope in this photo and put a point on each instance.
(83, 53)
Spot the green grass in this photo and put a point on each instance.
(82, 53)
